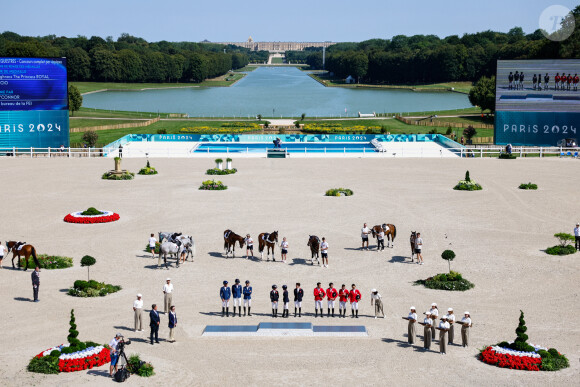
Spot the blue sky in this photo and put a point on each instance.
(297, 20)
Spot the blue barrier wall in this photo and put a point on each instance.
(535, 128)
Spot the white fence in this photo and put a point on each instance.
(419, 152)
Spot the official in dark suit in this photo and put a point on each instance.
(172, 324)
(35, 283)
(154, 323)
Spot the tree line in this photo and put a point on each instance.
(429, 59)
(132, 59)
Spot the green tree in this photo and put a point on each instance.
(88, 261)
(483, 94)
(131, 67)
(449, 256)
(564, 238)
(105, 66)
(469, 132)
(302, 116)
(72, 332)
(78, 64)
(75, 99)
(90, 137)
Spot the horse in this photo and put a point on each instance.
(25, 251)
(269, 241)
(186, 245)
(390, 233)
(314, 243)
(230, 239)
(412, 240)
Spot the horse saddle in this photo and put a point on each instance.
(385, 227)
(227, 234)
(20, 245)
(266, 237)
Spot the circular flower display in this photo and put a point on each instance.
(105, 217)
(82, 360)
(509, 358)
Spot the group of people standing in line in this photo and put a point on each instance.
(561, 82)
(446, 327)
(154, 318)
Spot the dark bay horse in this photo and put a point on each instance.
(412, 240)
(314, 243)
(269, 241)
(390, 233)
(26, 251)
(230, 239)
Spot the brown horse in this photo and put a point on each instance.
(269, 241)
(230, 239)
(26, 251)
(390, 233)
(314, 243)
(412, 240)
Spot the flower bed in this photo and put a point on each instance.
(139, 367)
(55, 360)
(92, 288)
(148, 171)
(49, 262)
(113, 176)
(217, 171)
(507, 156)
(447, 281)
(528, 186)
(213, 185)
(78, 217)
(465, 185)
(339, 192)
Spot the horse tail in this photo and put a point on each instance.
(33, 250)
(394, 232)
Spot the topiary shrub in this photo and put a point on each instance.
(520, 343)
(339, 192)
(564, 247)
(44, 365)
(88, 261)
(148, 170)
(92, 211)
(528, 186)
(72, 332)
(449, 256)
(467, 184)
(137, 366)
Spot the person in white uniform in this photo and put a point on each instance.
(434, 315)
(427, 325)
(138, 313)
(465, 328)
(451, 321)
(167, 295)
(443, 329)
(411, 332)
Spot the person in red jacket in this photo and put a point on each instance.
(355, 297)
(331, 295)
(576, 80)
(569, 81)
(557, 80)
(318, 297)
(343, 299)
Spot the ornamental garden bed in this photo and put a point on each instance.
(92, 288)
(507, 156)
(148, 170)
(467, 184)
(217, 171)
(453, 280)
(137, 366)
(213, 185)
(49, 262)
(339, 192)
(73, 356)
(521, 355)
(91, 215)
(564, 247)
(528, 186)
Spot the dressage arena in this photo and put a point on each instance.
(498, 235)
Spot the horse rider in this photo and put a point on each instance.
(249, 245)
(173, 238)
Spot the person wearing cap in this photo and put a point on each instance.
(434, 312)
(318, 297)
(138, 313)
(355, 296)
(249, 246)
(451, 320)
(172, 324)
(274, 297)
(443, 329)
(114, 354)
(167, 295)
(427, 325)
(331, 295)
(154, 321)
(411, 332)
(298, 295)
(247, 291)
(285, 300)
(343, 294)
(237, 296)
(225, 294)
(465, 327)
(377, 300)
(577, 236)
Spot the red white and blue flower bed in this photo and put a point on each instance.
(81, 360)
(512, 359)
(78, 217)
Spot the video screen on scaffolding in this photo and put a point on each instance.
(537, 102)
(33, 102)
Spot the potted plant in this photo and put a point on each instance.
(117, 164)
(228, 163)
(219, 163)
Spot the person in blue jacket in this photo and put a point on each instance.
(274, 297)
(298, 295)
(225, 294)
(237, 295)
(172, 324)
(247, 291)
(285, 300)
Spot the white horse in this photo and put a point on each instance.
(187, 246)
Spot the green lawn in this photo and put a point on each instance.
(277, 60)
(468, 119)
(83, 123)
(246, 69)
(90, 112)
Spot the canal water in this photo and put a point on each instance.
(275, 92)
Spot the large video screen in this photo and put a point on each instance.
(33, 103)
(537, 102)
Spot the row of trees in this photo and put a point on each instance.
(429, 59)
(132, 59)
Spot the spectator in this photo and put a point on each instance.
(154, 320)
(114, 354)
(138, 312)
(576, 238)
(284, 249)
(152, 243)
(364, 233)
(35, 283)
(172, 324)
(168, 295)
(377, 299)
(419, 248)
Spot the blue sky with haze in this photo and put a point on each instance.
(298, 20)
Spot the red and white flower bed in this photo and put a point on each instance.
(82, 360)
(509, 358)
(105, 217)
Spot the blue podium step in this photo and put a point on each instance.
(289, 329)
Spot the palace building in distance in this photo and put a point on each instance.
(275, 46)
